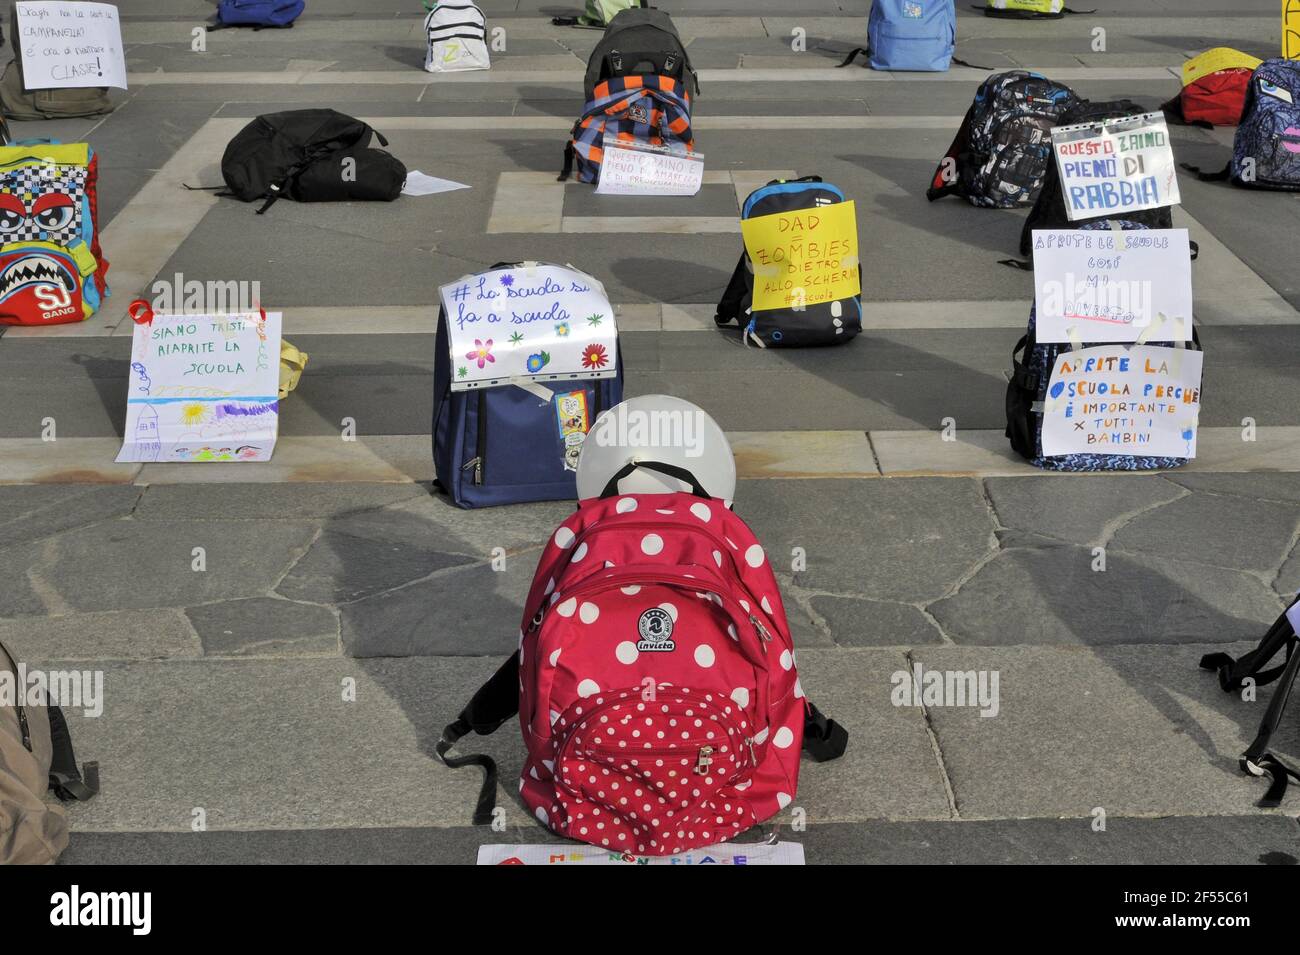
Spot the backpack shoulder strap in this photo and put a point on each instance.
(65, 779)
(823, 738)
(494, 704)
(1257, 760)
(1232, 673)
(729, 305)
(942, 185)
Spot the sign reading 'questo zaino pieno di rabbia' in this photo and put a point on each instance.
(1115, 166)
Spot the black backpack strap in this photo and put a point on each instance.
(1257, 760)
(1220, 176)
(1022, 264)
(973, 66)
(495, 703)
(939, 186)
(567, 169)
(65, 779)
(1021, 376)
(671, 470)
(864, 50)
(823, 738)
(1280, 636)
(729, 305)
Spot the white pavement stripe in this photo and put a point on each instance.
(570, 73)
(759, 456)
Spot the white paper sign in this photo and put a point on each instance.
(1109, 285)
(418, 184)
(66, 45)
(779, 853)
(1122, 165)
(529, 323)
(1119, 399)
(203, 388)
(631, 169)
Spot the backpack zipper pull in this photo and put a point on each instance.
(704, 760)
(762, 631)
(753, 760)
(477, 465)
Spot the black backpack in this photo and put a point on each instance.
(1049, 210)
(1257, 760)
(639, 42)
(301, 154)
(1002, 150)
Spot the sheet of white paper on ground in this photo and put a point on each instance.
(1121, 165)
(418, 184)
(203, 388)
(633, 169)
(1112, 285)
(533, 322)
(65, 45)
(1123, 399)
(779, 853)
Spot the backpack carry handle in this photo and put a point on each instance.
(670, 470)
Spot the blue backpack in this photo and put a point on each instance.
(258, 13)
(505, 444)
(1268, 136)
(911, 35)
(1027, 390)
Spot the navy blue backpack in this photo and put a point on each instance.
(503, 444)
(258, 13)
(910, 35)
(1031, 364)
(1266, 148)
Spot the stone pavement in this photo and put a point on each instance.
(335, 568)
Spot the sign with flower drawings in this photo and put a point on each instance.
(529, 323)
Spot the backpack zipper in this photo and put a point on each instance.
(480, 446)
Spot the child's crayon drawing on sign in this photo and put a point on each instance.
(203, 388)
(533, 321)
(803, 257)
(1116, 399)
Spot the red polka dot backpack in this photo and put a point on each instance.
(655, 681)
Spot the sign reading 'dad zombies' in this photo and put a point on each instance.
(803, 257)
(203, 388)
(1116, 166)
(530, 322)
(1121, 399)
(1109, 285)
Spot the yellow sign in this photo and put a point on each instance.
(1220, 58)
(803, 257)
(1291, 29)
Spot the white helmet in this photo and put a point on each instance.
(655, 444)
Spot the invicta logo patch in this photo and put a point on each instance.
(655, 628)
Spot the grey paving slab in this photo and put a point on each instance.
(1038, 591)
(113, 635)
(263, 626)
(1130, 730)
(340, 567)
(125, 565)
(33, 512)
(854, 622)
(1238, 533)
(1208, 840)
(1259, 486)
(1083, 509)
(224, 502)
(887, 540)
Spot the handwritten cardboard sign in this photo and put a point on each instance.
(65, 45)
(759, 853)
(529, 323)
(1118, 399)
(203, 388)
(1112, 286)
(637, 169)
(803, 257)
(1117, 166)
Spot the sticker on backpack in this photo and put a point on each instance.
(655, 628)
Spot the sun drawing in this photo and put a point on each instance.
(193, 414)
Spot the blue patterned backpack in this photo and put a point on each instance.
(1031, 364)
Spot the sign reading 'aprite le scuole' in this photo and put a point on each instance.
(1123, 399)
(1116, 166)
